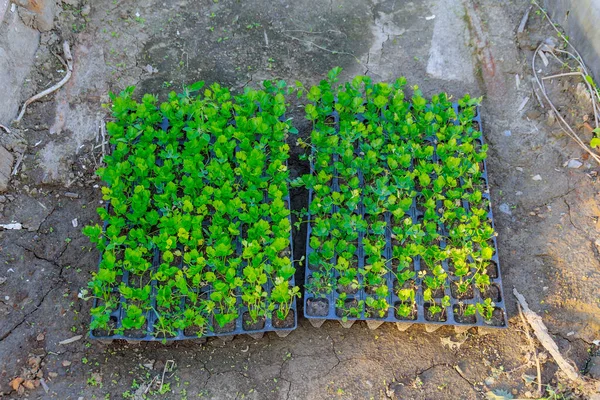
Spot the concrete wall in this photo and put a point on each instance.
(580, 20)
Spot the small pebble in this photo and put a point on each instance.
(519, 193)
(507, 133)
(519, 169)
(85, 11)
(505, 208)
(574, 164)
(537, 178)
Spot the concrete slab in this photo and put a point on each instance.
(18, 44)
(579, 18)
(449, 56)
(6, 163)
(3, 9)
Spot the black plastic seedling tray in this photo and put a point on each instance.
(148, 334)
(326, 304)
(151, 316)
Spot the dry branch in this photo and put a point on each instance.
(541, 332)
(69, 59)
(533, 350)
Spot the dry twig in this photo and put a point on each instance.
(563, 123)
(583, 72)
(534, 351)
(69, 60)
(18, 164)
(324, 48)
(541, 332)
(524, 20)
(169, 364)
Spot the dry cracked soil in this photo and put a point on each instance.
(546, 214)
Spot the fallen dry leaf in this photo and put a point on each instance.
(15, 383)
(34, 362)
(28, 384)
(71, 340)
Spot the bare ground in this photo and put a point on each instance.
(547, 230)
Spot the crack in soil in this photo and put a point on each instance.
(54, 261)
(561, 196)
(455, 369)
(7, 334)
(45, 218)
(37, 306)
(571, 218)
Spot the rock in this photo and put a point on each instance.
(6, 163)
(2, 199)
(519, 193)
(537, 178)
(507, 133)
(505, 208)
(151, 70)
(594, 367)
(18, 44)
(38, 14)
(533, 114)
(582, 95)
(66, 363)
(85, 11)
(574, 163)
(551, 119)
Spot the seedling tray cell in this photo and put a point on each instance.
(321, 307)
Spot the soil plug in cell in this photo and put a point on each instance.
(400, 223)
(196, 239)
